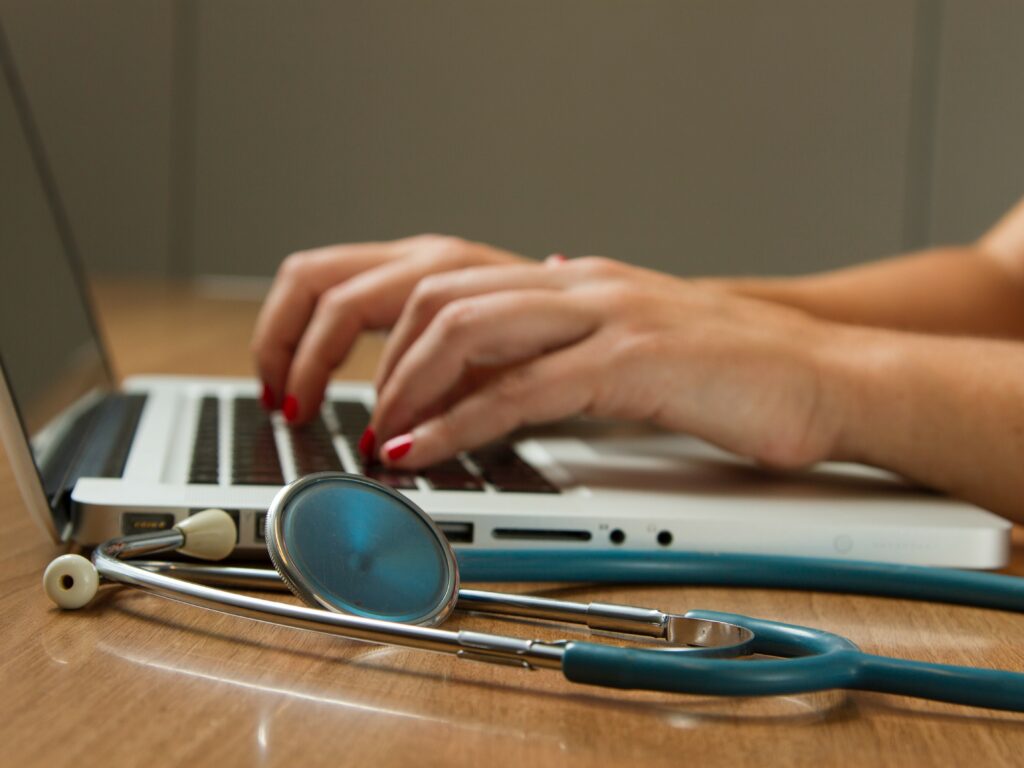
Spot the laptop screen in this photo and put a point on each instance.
(51, 355)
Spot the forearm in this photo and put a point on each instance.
(948, 290)
(946, 412)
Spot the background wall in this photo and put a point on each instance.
(217, 136)
(98, 75)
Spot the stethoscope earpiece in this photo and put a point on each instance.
(71, 581)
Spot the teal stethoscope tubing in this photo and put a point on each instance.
(823, 661)
(813, 660)
(912, 582)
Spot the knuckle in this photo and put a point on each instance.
(613, 298)
(428, 296)
(514, 387)
(295, 265)
(449, 251)
(334, 300)
(456, 318)
(426, 238)
(598, 266)
(637, 346)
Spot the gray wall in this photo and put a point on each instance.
(98, 75)
(217, 136)
(979, 160)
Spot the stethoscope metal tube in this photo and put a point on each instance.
(677, 630)
(476, 644)
(371, 556)
(697, 635)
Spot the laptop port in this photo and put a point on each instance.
(617, 536)
(145, 522)
(541, 534)
(261, 526)
(457, 533)
(665, 538)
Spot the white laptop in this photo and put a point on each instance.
(95, 460)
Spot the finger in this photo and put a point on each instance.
(437, 291)
(370, 300)
(549, 388)
(288, 307)
(491, 330)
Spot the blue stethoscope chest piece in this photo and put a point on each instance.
(357, 547)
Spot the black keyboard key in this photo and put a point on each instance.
(313, 449)
(502, 467)
(205, 466)
(536, 484)
(255, 460)
(451, 476)
(402, 481)
(353, 417)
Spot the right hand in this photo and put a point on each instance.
(322, 299)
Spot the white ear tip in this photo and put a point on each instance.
(71, 581)
(209, 535)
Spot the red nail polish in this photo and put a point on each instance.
(397, 447)
(267, 398)
(290, 408)
(367, 443)
(555, 258)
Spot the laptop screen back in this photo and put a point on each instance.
(51, 355)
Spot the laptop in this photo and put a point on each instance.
(96, 458)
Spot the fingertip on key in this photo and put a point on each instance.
(267, 399)
(368, 443)
(290, 408)
(397, 447)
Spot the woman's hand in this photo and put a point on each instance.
(596, 337)
(322, 299)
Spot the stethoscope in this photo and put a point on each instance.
(371, 565)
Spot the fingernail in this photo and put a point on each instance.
(267, 398)
(397, 447)
(555, 258)
(290, 408)
(367, 443)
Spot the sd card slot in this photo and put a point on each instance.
(541, 534)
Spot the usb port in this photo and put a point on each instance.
(261, 526)
(457, 533)
(145, 522)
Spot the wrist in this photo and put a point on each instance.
(860, 379)
(775, 290)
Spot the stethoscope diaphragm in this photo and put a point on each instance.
(358, 547)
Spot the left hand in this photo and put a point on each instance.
(596, 337)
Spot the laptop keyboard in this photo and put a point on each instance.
(255, 459)
(206, 449)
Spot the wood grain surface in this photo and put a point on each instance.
(136, 679)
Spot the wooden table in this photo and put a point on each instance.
(138, 679)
